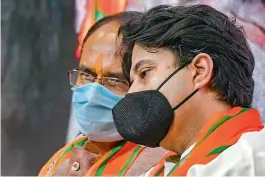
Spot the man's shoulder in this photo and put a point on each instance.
(81, 137)
(50, 163)
(246, 157)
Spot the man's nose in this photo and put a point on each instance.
(98, 80)
(135, 88)
(99, 69)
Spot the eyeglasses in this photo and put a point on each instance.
(117, 86)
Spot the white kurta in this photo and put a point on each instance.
(244, 158)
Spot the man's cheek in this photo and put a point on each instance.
(154, 82)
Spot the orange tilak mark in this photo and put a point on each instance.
(99, 64)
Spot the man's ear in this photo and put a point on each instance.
(202, 68)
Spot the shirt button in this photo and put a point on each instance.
(75, 166)
(92, 161)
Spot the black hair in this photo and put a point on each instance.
(122, 17)
(189, 30)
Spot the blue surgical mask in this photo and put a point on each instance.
(93, 105)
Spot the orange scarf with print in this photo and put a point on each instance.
(218, 134)
(116, 162)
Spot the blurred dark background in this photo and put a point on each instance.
(38, 45)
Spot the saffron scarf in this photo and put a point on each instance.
(222, 131)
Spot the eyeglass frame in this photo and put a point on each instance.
(95, 77)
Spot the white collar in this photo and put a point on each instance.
(187, 151)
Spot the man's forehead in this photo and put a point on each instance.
(105, 41)
(162, 55)
(102, 60)
(104, 37)
(139, 54)
(101, 44)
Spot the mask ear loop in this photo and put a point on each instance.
(169, 77)
(186, 99)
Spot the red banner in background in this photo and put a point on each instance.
(95, 10)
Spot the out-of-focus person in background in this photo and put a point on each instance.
(191, 90)
(98, 84)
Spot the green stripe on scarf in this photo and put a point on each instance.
(112, 153)
(69, 148)
(222, 120)
(160, 171)
(217, 150)
(178, 164)
(211, 130)
(78, 144)
(135, 151)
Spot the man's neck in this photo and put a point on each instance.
(189, 122)
(206, 113)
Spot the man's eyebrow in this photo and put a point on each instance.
(141, 63)
(87, 70)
